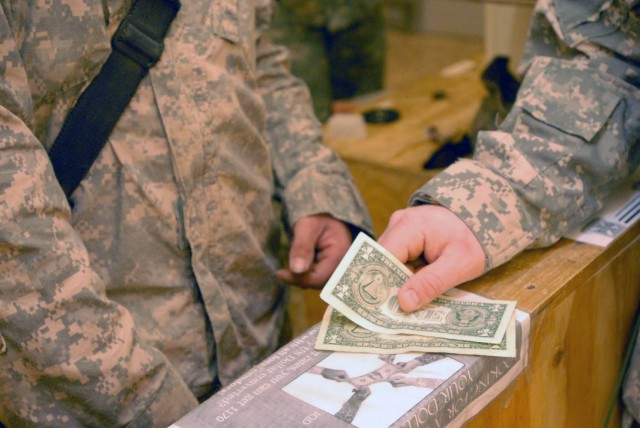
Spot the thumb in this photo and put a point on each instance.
(303, 245)
(432, 280)
(423, 287)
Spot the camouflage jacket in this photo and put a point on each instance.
(161, 280)
(573, 133)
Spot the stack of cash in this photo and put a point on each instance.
(364, 316)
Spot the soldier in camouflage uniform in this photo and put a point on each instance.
(161, 284)
(337, 47)
(571, 136)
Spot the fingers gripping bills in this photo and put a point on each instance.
(364, 315)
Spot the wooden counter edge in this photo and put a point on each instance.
(579, 333)
(537, 277)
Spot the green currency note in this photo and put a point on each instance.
(365, 285)
(338, 333)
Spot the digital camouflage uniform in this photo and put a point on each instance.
(573, 133)
(337, 46)
(161, 282)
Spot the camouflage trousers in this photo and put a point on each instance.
(335, 65)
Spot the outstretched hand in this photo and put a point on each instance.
(319, 243)
(440, 248)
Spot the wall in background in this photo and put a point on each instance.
(505, 31)
(463, 18)
(449, 17)
(503, 27)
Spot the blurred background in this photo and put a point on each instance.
(424, 36)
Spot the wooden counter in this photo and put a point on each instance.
(582, 299)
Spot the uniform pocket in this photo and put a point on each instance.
(571, 101)
(559, 111)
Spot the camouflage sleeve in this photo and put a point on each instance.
(573, 134)
(68, 355)
(310, 177)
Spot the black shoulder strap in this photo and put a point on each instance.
(136, 47)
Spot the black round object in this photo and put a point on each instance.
(381, 115)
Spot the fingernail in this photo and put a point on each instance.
(298, 265)
(411, 300)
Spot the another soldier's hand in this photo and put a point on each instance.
(319, 243)
(440, 248)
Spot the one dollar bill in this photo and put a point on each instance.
(338, 333)
(365, 285)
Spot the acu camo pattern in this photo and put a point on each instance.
(161, 282)
(573, 133)
(337, 47)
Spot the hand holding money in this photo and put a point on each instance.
(364, 290)
(435, 234)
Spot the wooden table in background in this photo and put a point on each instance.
(387, 164)
(582, 299)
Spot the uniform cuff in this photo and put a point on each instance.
(313, 192)
(486, 203)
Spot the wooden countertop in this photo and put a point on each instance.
(447, 102)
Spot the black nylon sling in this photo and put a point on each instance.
(136, 47)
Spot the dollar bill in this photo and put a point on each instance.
(338, 333)
(365, 285)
